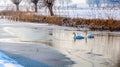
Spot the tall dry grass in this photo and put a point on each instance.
(104, 24)
(93, 24)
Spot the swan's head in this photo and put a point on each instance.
(74, 33)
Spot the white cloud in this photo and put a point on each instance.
(79, 1)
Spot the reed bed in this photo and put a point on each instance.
(93, 24)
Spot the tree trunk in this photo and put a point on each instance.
(36, 8)
(51, 10)
(17, 7)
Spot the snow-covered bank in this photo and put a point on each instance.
(27, 34)
(5, 61)
(10, 23)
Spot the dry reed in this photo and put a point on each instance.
(93, 24)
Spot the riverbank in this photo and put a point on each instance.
(109, 24)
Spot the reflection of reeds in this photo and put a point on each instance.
(94, 24)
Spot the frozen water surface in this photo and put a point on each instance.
(31, 44)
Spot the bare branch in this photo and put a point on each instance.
(16, 2)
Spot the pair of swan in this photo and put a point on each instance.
(90, 36)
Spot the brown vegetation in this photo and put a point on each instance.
(104, 24)
(93, 24)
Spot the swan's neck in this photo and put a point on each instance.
(74, 34)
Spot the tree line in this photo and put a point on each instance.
(44, 3)
(103, 3)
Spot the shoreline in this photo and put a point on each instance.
(92, 24)
(31, 54)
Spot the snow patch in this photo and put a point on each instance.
(5, 61)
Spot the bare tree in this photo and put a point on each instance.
(44, 3)
(35, 3)
(16, 2)
(94, 3)
(90, 3)
(49, 4)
